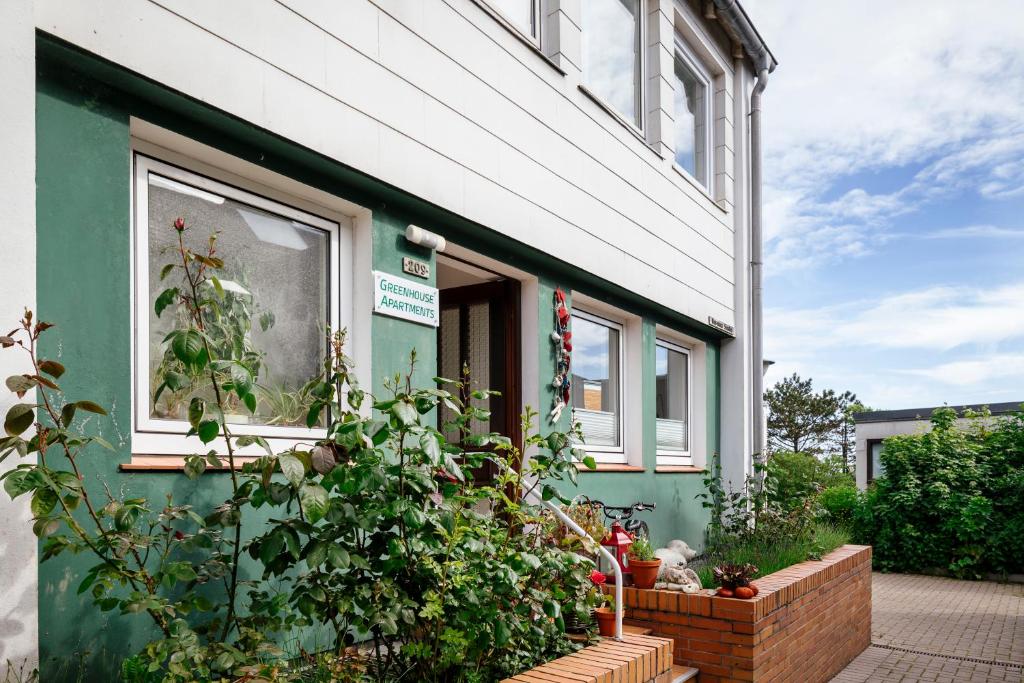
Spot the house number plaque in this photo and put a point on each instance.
(414, 267)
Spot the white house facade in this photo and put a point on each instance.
(429, 174)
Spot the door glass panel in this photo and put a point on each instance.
(479, 358)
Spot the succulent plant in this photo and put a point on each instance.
(732, 576)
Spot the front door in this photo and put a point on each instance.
(479, 331)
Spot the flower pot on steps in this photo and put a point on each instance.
(645, 572)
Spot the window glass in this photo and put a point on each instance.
(877, 468)
(672, 398)
(273, 309)
(611, 53)
(691, 116)
(520, 13)
(596, 385)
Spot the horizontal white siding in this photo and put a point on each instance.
(435, 97)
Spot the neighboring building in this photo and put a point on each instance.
(604, 147)
(873, 427)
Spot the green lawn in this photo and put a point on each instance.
(771, 557)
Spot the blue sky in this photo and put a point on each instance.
(894, 198)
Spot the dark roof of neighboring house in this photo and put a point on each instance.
(925, 413)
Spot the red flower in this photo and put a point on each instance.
(598, 578)
(178, 535)
(179, 224)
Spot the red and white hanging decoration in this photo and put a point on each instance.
(561, 338)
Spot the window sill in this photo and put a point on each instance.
(695, 184)
(610, 467)
(518, 34)
(174, 463)
(678, 469)
(620, 119)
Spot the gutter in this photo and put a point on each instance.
(739, 27)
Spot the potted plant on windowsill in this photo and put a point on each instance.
(643, 564)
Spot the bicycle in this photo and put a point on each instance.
(623, 515)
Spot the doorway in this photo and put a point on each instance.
(480, 332)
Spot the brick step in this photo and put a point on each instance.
(683, 673)
(636, 630)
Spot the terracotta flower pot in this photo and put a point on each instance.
(605, 621)
(645, 572)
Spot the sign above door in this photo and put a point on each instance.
(400, 297)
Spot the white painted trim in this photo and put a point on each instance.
(684, 54)
(630, 448)
(676, 456)
(166, 437)
(535, 37)
(19, 557)
(697, 455)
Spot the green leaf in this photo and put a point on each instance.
(292, 468)
(552, 609)
(431, 447)
(314, 501)
(90, 407)
(405, 413)
(208, 430)
(19, 482)
(196, 410)
(589, 462)
(502, 633)
(51, 368)
(338, 557)
(43, 502)
(217, 287)
(241, 378)
(186, 345)
(250, 402)
(67, 414)
(165, 299)
(267, 320)
(125, 517)
(194, 466)
(166, 270)
(176, 381)
(317, 554)
(19, 418)
(313, 416)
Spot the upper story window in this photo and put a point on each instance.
(278, 290)
(692, 113)
(611, 42)
(524, 15)
(597, 382)
(672, 400)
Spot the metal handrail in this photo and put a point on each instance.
(567, 521)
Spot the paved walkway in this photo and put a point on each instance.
(925, 628)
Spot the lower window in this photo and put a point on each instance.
(672, 403)
(597, 383)
(277, 292)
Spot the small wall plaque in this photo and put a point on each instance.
(719, 325)
(414, 267)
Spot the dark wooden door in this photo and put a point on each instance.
(480, 330)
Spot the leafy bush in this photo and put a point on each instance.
(839, 503)
(377, 537)
(951, 498)
(794, 478)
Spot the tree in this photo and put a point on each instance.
(802, 421)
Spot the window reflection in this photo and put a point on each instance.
(671, 399)
(595, 380)
(611, 59)
(520, 13)
(691, 122)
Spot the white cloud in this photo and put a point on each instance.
(977, 370)
(868, 86)
(977, 231)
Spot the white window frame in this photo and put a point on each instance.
(167, 437)
(684, 54)
(536, 7)
(673, 456)
(639, 125)
(609, 454)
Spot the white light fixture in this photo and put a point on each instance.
(425, 238)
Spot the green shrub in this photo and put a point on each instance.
(838, 503)
(951, 498)
(794, 478)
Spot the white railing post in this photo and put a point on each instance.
(567, 521)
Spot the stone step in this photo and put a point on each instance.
(683, 673)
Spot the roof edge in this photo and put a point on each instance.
(921, 414)
(736, 18)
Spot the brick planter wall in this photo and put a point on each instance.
(807, 622)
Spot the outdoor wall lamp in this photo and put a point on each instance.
(425, 238)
